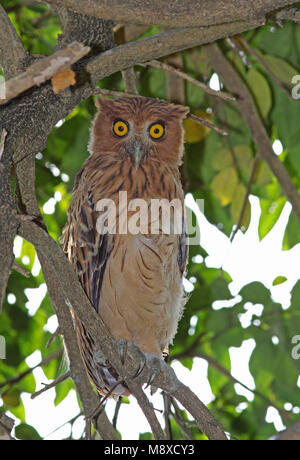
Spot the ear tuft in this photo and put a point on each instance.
(180, 111)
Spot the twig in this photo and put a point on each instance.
(250, 182)
(206, 123)
(47, 387)
(102, 401)
(185, 76)
(147, 409)
(21, 269)
(57, 354)
(43, 70)
(71, 421)
(53, 337)
(167, 413)
(212, 428)
(116, 414)
(183, 424)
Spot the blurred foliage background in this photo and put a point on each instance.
(217, 170)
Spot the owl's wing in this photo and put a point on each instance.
(87, 249)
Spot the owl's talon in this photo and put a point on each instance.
(153, 390)
(122, 350)
(155, 366)
(140, 368)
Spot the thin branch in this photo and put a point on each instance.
(166, 43)
(53, 337)
(246, 198)
(147, 409)
(21, 269)
(173, 14)
(57, 354)
(129, 80)
(43, 70)
(183, 424)
(206, 123)
(47, 387)
(117, 410)
(290, 14)
(167, 413)
(250, 113)
(211, 427)
(185, 76)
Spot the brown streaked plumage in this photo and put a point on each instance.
(134, 281)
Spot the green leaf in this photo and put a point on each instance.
(282, 69)
(279, 280)
(270, 213)
(260, 90)
(27, 433)
(62, 390)
(244, 158)
(263, 175)
(221, 159)
(224, 185)
(292, 232)
(237, 205)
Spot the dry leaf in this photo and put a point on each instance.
(61, 80)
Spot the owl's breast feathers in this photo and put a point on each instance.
(134, 281)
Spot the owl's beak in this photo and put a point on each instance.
(138, 152)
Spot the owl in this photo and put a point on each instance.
(132, 278)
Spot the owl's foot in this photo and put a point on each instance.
(152, 361)
(130, 350)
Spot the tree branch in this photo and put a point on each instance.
(12, 53)
(55, 355)
(290, 14)
(174, 14)
(43, 70)
(186, 76)
(47, 387)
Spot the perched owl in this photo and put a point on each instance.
(133, 279)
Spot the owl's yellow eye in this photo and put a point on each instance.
(156, 131)
(120, 128)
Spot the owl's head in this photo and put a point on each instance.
(140, 129)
